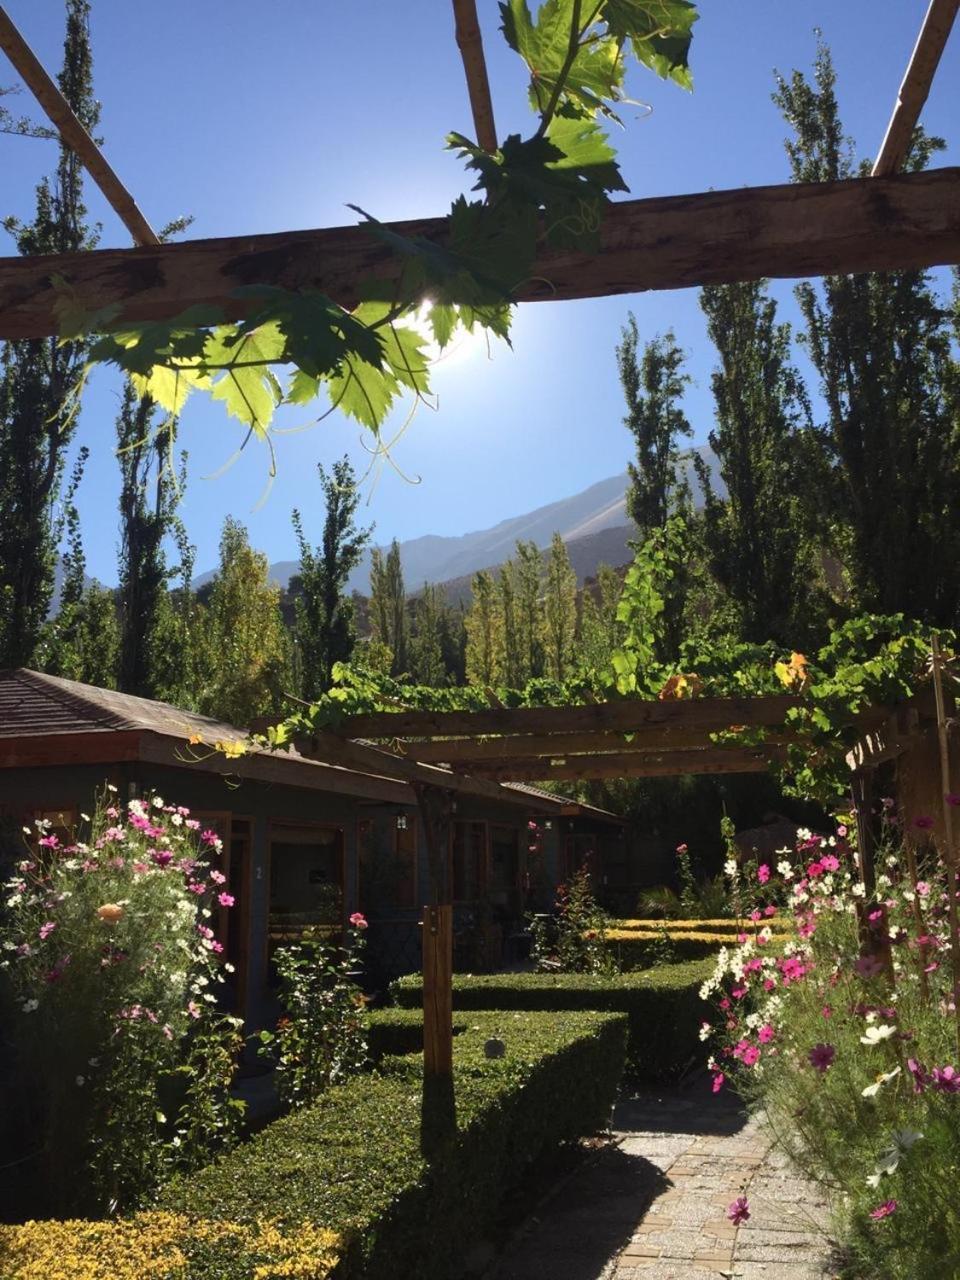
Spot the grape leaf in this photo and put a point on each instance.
(442, 320)
(659, 32)
(595, 75)
(363, 392)
(247, 387)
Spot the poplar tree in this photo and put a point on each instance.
(324, 624)
(528, 598)
(653, 385)
(484, 623)
(36, 426)
(757, 536)
(516, 670)
(247, 663)
(599, 628)
(881, 344)
(427, 640)
(149, 493)
(559, 611)
(388, 605)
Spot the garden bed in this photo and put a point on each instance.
(341, 1189)
(662, 1005)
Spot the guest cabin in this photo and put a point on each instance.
(304, 842)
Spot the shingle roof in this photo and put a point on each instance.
(33, 704)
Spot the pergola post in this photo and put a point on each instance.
(438, 1119)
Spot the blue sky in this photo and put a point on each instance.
(256, 117)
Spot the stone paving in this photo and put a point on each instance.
(654, 1206)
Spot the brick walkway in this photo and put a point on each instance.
(654, 1207)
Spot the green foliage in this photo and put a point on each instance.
(484, 626)
(550, 189)
(559, 612)
(324, 631)
(109, 966)
(571, 941)
(352, 1162)
(319, 1040)
(388, 613)
(36, 423)
(663, 1006)
(245, 645)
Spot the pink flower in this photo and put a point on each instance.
(763, 873)
(46, 930)
(531, 825)
(923, 889)
(755, 916)
(883, 1210)
(196, 887)
(739, 1211)
(358, 920)
(226, 899)
(830, 863)
(841, 831)
(682, 849)
(922, 823)
(814, 870)
(826, 1011)
(162, 857)
(192, 824)
(750, 1056)
(49, 842)
(920, 1077)
(216, 947)
(209, 837)
(952, 799)
(946, 1079)
(204, 931)
(218, 877)
(822, 1056)
(765, 1034)
(193, 1009)
(718, 1080)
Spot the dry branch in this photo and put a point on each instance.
(671, 242)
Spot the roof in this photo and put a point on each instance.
(575, 808)
(49, 720)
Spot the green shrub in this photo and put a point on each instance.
(662, 1005)
(351, 1163)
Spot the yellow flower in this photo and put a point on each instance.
(110, 912)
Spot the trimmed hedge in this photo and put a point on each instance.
(352, 1163)
(776, 924)
(663, 1006)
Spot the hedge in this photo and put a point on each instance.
(662, 1004)
(341, 1189)
(776, 924)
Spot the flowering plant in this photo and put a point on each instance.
(847, 1037)
(112, 967)
(573, 940)
(321, 1037)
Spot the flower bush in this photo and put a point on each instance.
(112, 968)
(321, 1038)
(572, 940)
(847, 1036)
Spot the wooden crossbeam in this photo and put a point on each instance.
(462, 752)
(705, 714)
(630, 765)
(671, 242)
(72, 132)
(916, 84)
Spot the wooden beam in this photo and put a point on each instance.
(666, 764)
(916, 84)
(470, 44)
(72, 132)
(671, 242)
(461, 752)
(627, 716)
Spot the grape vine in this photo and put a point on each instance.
(545, 190)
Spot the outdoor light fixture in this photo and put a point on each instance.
(401, 822)
(548, 825)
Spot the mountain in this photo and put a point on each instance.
(593, 523)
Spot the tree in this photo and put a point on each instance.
(388, 613)
(484, 624)
(245, 642)
(528, 592)
(881, 344)
(324, 627)
(653, 389)
(149, 493)
(36, 377)
(757, 537)
(560, 611)
(426, 643)
(600, 632)
(83, 641)
(516, 671)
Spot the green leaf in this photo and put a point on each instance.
(303, 388)
(659, 32)
(593, 78)
(247, 387)
(363, 392)
(443, 321)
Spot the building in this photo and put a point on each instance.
(305, 842)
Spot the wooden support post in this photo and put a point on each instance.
(438, 1117)
(863, 800)
(948, 847)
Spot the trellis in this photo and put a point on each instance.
(886, 221)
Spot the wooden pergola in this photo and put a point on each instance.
(887, 221)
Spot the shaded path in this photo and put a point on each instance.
(654, 1207)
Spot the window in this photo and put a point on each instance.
(306, 880)
(504, 883)
(387, 855)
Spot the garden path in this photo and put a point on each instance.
(654, 1206)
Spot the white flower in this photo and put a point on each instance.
(730, 868)
(885, 1077)
(229, 967)
(85, 817)
(176, 819)
(705, 1031)
(157, 802)
(785, 869)
(803, 833)
(27, 831)
(30, 1006)
(858, 890)
(111, 787)
(892, 859)
(875, 1035)
(81, 1081)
